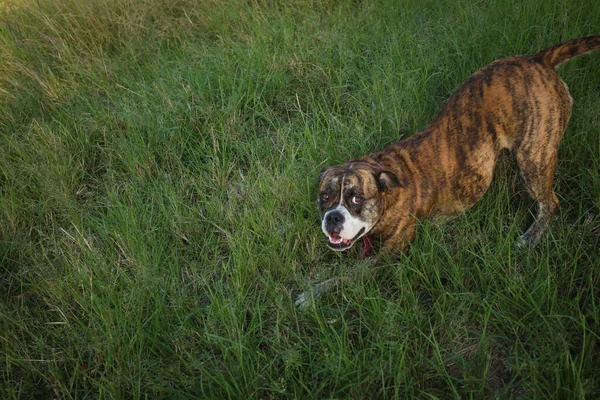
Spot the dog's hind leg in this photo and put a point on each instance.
(538, 174)
(537, 151)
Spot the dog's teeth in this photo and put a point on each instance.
(335, 240)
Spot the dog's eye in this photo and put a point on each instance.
(357, 200)
(324, 196)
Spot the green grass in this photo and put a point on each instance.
(158, 168)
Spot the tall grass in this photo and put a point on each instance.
(158, 163)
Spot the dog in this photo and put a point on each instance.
(518, 103)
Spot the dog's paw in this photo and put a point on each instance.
(304, 300)
(307, 298)
(521, 243)
(372, 261)
(527, 240)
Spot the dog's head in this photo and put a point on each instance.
(351, 201)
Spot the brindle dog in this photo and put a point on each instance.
(516, 103)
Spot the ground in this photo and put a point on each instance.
(158, 176)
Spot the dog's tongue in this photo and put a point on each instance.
(335, 238)
(366, 247)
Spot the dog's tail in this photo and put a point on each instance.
(558, 54)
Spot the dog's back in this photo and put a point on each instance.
(517, 103)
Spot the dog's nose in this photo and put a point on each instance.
(334, 221)
(336, 217)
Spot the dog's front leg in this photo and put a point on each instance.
(397, 242)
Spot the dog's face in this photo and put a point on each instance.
(351, 201)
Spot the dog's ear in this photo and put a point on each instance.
(388, 180)
(323, 170)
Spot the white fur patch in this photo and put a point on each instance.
(568, 92)
(352, 225)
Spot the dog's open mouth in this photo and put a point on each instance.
(336, 242)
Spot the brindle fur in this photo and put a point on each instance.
(517, 103)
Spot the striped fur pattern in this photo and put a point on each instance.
(517, 103)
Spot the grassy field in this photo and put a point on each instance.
(158, 165)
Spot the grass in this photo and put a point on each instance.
(158, 168)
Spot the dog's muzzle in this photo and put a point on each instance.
(342, 229)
